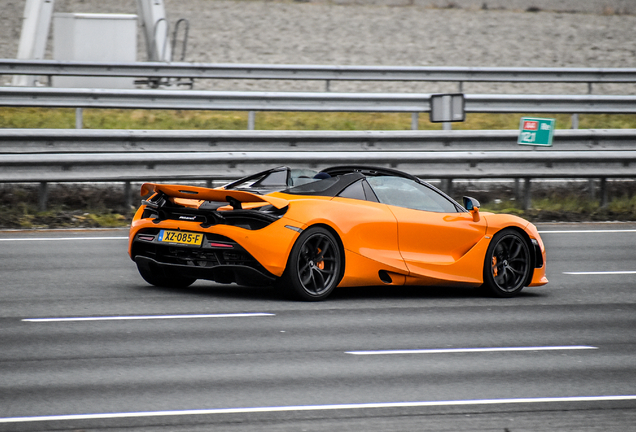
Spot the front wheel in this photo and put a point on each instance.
(165, 278)
(507, 265)
(314, 265)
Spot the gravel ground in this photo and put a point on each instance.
(388, 32)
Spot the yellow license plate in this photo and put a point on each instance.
(180, 237)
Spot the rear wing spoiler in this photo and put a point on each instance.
(206, 194)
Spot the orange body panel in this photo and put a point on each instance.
(365, 228)
(441, 246)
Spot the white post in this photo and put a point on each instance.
(79, 118)
(156, 29)
(251, 120)
(36, 21)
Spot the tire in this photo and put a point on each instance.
(314, 266)
(507, 265)
(164, 278)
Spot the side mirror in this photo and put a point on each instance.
(472, 205)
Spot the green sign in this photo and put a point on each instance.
(536, 131)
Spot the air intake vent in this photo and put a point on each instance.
(384, 277)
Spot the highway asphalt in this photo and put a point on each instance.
(86, 344)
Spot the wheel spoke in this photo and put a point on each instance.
(323, 250)
(319, 280)
(325, 272)
(306, 278)
(304, 268)
(517, 251)
(501, 278)
(512, 269)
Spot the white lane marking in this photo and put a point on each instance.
(148, 317)
(62, 238)
(471, 350)
(318, 408)
(589, 231)
(602, 272)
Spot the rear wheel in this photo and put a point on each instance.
(507, 264)
(164, 278)
(314, 265)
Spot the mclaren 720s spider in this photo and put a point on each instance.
(310, 232)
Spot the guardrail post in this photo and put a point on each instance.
(327, 85)
(251, 120)
(526, 194)
(604, 193)
(79, 118)
(127, 195)
(447, 186)
(592, 188)
(575, 121)
(415, 120)
(43, 196)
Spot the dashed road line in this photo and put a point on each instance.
(148, 317)
(471, 350)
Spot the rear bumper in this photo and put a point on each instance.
(240, 274)
(221, 260)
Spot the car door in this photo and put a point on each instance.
(433, 235)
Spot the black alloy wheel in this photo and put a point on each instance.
(508, 264)
(314, 265)
(165, 278)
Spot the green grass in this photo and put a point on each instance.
(64, 118)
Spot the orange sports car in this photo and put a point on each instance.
(309, 232)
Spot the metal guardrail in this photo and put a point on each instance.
(308, 101)
(229, 165)
(68, 155)
(170, 166)
(39, 141)
(318, 72)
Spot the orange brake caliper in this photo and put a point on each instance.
(320, 264)
(495, 272)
